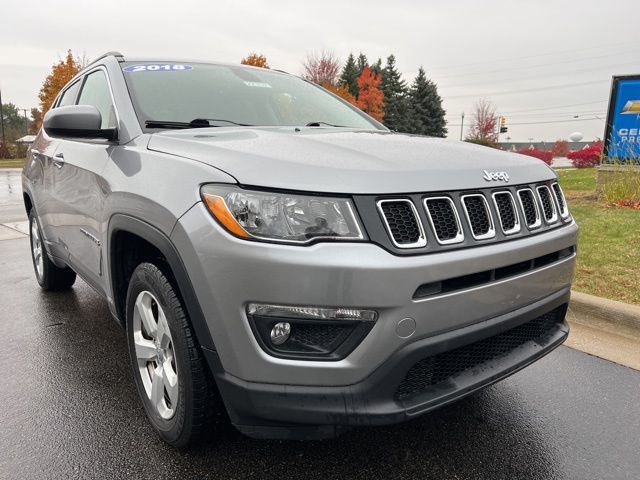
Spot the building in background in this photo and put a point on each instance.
(544, 146)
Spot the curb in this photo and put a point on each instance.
(591, 309)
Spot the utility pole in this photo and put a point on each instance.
(461, 125)
(26, 122)
(1, 118)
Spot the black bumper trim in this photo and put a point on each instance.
(293, 411)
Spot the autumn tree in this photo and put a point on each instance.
(353, 68)
(560, 148)
(349, 75)
(36, 116)
(321, 68)
(396, 105)
(483, 125)
(61, 73)
(370, 98)
(342, 91)
(426, 112)
(255, 60)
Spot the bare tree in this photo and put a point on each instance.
(321, 68)
(483, 126)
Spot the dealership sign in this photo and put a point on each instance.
(622, 135)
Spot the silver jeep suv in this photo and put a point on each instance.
(268, 245)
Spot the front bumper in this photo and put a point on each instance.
(264, 410)
(227, 273)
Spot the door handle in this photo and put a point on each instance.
(58, 160)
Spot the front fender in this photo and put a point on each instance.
(136, 226)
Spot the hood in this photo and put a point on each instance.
(347, 161)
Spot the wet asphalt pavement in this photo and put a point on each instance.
(69, 409)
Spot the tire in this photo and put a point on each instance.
(49, 277)
(182, 411)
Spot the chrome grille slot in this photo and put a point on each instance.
(478, 215)
(462, 218)
(444, 220)
(562, 203)
(507, 212)
(529, 208)
(402, 223)
(548, 206)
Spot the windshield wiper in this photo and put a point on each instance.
(166, 124)
(206, 122)
(319, 124)
(195, 123)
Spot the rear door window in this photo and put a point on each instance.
(69, 96)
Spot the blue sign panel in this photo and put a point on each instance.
(623, 125)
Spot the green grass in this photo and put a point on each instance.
(609, 244)
(578, 179)
(12, 163)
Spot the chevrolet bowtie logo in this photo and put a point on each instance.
(632, 106)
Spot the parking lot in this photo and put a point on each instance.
(69, 408)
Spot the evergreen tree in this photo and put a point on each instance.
(377, 67)
(427, 114)
(362, 63)
(396, 103)
(349, 75)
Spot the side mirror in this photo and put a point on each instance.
(77, 121)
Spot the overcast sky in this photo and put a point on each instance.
(537, 61)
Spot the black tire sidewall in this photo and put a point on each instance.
(149, 277)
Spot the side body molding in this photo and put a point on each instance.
(120, 222)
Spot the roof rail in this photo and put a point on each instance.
(118, 56)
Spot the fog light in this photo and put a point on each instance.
(307, 332)
(280, 333)
(311, 313)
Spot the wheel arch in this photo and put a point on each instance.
(126, 225)
(28, 203)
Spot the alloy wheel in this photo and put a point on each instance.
(155, 355)
(36, 248)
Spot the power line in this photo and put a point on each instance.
(557, 106)
(537, 89)
(545, 114)
(542, 123)
(511, 112)
(557, 114)
(563, 62)
(564, 72)
(484, 62)
(558, 121)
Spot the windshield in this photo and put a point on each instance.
(228, 95)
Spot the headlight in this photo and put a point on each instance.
(282, 217)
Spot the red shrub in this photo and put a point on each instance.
(560, 148)
(587, 157)
(545, 156)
